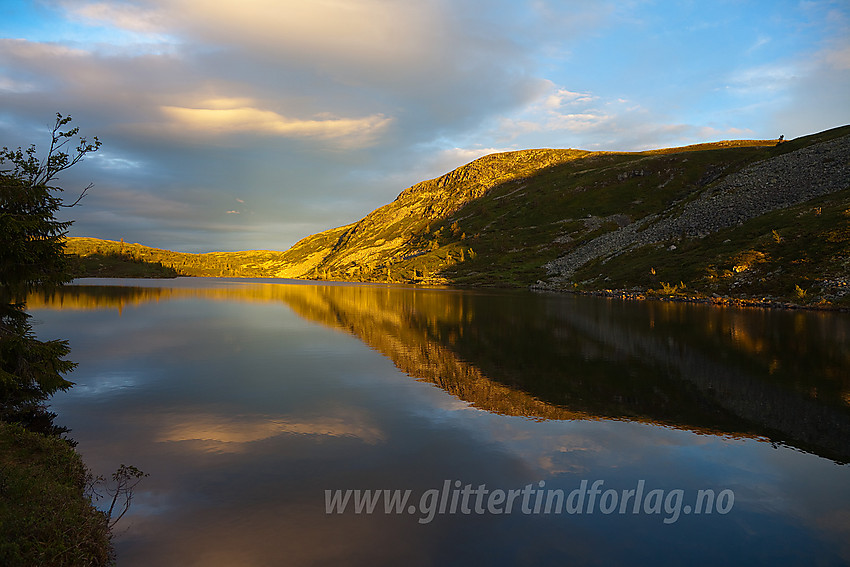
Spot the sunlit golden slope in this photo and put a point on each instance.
(369, 248)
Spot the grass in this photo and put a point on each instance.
(45, 517)
(748, 260)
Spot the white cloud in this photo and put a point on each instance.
(562, 97)
(246, 119)
(763, 79)
(106, 159)
(449, 159)
(760, 42)
(129, 17)
(578, 122)
(569, 118)
(560, 109)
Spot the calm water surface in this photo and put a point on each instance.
(247, 400)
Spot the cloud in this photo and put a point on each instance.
(816, 98)
(560, 110)
(318, 112)
(569, 118)
(760, 42)
(354, 41)
(353, 30)
(109, 161)
(23, 49)
(578, 122)
(563, 97)
(763, 79)
(837, 59)
(220, 120)
(128, 17)
(449, 159)
(10, 85)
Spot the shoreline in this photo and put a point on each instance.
(631, 295)
(715, 299)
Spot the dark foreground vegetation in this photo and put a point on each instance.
(47, 517)
(47, 495)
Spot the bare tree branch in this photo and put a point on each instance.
(80, 198)
(35, 172)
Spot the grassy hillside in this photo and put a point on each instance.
(93, 257)
(46, 518)
(747, 218)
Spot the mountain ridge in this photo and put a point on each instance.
(529, 218)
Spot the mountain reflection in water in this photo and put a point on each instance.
(779, 376)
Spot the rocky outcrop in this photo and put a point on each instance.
(767, 185)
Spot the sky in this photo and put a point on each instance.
(250, 124)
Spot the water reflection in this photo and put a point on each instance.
(781, 376)
(246, 400)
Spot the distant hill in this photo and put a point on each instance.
(751, 219)
(93, 257)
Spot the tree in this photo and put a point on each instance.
(32, 257)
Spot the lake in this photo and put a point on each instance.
(303, 423)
